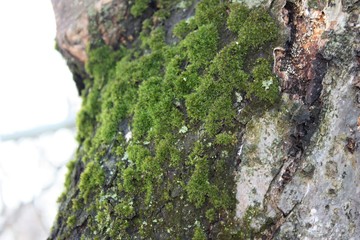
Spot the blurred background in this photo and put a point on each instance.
(38, 105)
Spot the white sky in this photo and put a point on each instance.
(34, 81)
(35, 89)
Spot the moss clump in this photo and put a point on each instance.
(258, 29)
(154, 40)
(202, 44)
(163, 7)
(139, 7)
(211, 12)
(237, 17)
(199, 234)
(71, 221)
(92, 179)
(180, 102)
(184, 27)
(228, 66)
(265, 85)
(225, 139)
(210, 214)
(199, 187)
(101, 62)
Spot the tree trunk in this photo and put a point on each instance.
(213, 119)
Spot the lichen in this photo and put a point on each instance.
(181, 103)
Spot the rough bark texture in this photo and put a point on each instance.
(82, 23)
(292, 165)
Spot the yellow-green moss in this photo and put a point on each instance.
(92, 179)
(199, 234)
(184, 27)
(265, 85)
(237, 17)
(180, 103)
(139, 7)
(211, 12)
(202, 44)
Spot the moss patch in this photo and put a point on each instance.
(180, 101)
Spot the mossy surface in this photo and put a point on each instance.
(182, 103)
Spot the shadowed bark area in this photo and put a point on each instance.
(212, 119)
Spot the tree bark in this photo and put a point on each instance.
(278, 167)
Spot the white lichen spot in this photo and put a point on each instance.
(239, 98)
(125, 157)
(267, 83)
(313, 211)
(128, 136)
(183, 129)
(183, 5)
(224, 154)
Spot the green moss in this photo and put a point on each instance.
(86, 119)
(167, 152)
(211, 12)
(149, 95)
(139, 7)
(202, 44)
(220, 114)
(76, 204)
(199, 234)
(199, 102)
(125, 209)
(70, 168)
(210, 214)
(101, 61)
(237, 17)
(129, 176)
(71, 221)
(180, 102)
(185, 4)
(258, 29)
(91, 180)
(161, 15)
(156, 39)
(225, 139)
(265, 85)
(166, 4)
(199, 186)
(184, 27)
(228, 67)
